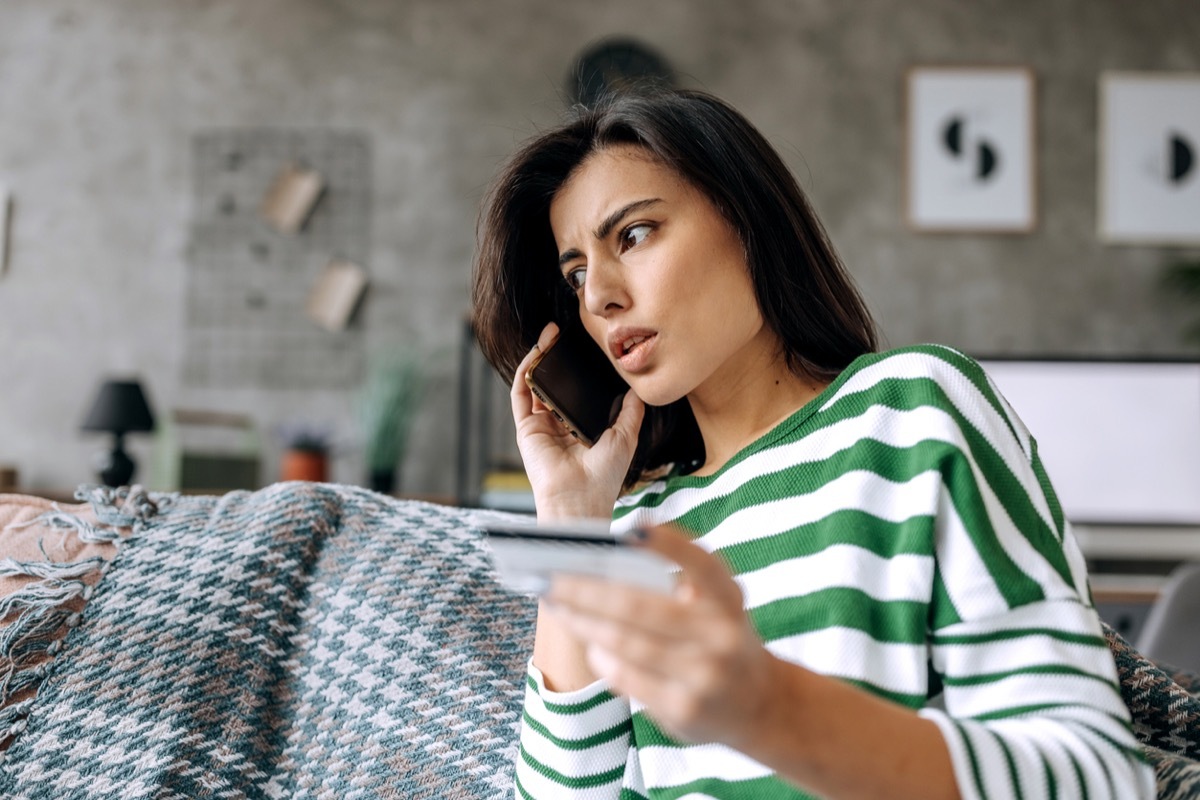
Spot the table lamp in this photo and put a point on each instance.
(120, 408)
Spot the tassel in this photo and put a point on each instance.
(29, 643)
(123, 506)
(35, 613)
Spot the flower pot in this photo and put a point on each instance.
(304, 465)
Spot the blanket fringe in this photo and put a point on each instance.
(124, 506)
(41, 569)
(86, 531)
(33, 615)
(13, 720)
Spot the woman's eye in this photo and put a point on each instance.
(575, 278)
(634, 235)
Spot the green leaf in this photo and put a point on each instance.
(1182, 278)
(387, 404)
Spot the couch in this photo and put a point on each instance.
(304, 640)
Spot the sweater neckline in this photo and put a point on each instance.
(785, 428)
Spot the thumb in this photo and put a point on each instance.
(624, 432)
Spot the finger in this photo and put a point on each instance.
(635, 648)
(655, 689)
(548, 335)
(523, 401)
(603, 663)
(619, 604)
(703, 570)
(684, 641)
(519, 394)
(623, 674)
(624, 432)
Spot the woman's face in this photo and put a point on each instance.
(661, 276)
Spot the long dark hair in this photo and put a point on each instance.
(804, 292)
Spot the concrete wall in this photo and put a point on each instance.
(99, 102)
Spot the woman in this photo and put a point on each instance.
(855, 531)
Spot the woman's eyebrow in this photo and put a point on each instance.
(612, 219)
(610, 222)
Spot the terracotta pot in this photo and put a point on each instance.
(304, 465)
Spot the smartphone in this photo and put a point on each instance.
(576, 381)
(527, 554)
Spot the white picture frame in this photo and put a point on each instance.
(1149, 158)
(970, 155)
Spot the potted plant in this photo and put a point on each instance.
(305, 454)
(386, 406)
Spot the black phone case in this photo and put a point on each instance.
(577, 381)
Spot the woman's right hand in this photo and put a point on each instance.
(569, 479)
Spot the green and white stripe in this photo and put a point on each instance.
(902, 521)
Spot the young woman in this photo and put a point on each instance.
(857, 532)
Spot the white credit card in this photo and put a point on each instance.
(528, 554)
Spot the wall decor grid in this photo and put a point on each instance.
(248, 283)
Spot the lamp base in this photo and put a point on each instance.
(115, 468)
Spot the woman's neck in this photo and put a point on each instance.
(745, 400)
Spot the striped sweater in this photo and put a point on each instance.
(899, 533)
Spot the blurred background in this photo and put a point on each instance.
(264, 212)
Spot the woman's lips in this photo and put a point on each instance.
(636, 351)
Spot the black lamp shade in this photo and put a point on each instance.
(120, 407)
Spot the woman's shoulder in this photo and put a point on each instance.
(914, 366)
(930, 359)
(919, 376)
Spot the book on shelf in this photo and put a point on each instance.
(506, 490)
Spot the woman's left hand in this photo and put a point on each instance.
(692, 657)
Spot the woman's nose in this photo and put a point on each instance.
(604, 290)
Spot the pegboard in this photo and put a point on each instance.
(248, 283)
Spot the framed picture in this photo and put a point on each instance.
(970, 149)
(1149, 158)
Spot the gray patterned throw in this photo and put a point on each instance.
(302, 641)
(313, 641)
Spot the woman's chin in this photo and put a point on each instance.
(656, 395)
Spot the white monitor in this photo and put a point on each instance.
(1120, 440)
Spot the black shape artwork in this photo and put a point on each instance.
(987, 156)
(1182, 158)
(952, 136)
(988, 159)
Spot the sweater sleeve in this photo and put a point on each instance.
(1032, 705)
(576, 745)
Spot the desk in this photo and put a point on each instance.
(1139, 543)
(1128, 565)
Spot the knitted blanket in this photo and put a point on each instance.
(311, 641)
(302, 641)
(1166, 716)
